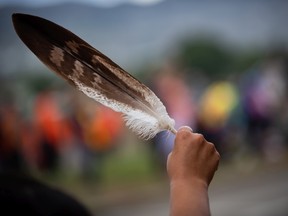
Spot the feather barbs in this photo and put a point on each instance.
(94, 74)
(144, 125)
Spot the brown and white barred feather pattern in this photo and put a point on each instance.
(94, 74)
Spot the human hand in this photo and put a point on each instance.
(193, 158)
(191, 166)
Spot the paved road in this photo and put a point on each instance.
(265, 194)
(259, 193)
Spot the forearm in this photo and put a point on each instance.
(189, 199)
(191, 166)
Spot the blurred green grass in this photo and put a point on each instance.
(132, 162)
(121, 168)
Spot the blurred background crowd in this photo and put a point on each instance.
(242, 113)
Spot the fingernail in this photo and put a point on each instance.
(186, 128)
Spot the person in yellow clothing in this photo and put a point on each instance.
(217, 106)
(217, 103)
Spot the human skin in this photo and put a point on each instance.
(191, 166)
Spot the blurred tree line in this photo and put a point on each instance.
(214, 58)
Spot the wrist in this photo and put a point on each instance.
(189, 183)
(189, 197)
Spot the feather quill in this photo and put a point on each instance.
(94, 74)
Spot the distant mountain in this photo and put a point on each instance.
(131, 34)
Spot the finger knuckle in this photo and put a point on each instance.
(184, 134)
(217, 155)
(211, 146)
(199, 138)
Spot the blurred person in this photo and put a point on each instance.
(10, 155)
(30, 145)
(23, 195)
(53, 128)
(216, 107)
(264, 95)
(74, 152)
(105, 128)
(178, 99)
(102, 131)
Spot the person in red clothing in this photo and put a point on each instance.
(53, 127)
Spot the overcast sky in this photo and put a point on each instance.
(95, 2)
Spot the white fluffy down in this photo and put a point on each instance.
(143, 124)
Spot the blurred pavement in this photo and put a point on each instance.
(262, 191)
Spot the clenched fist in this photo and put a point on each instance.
(191, 166)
